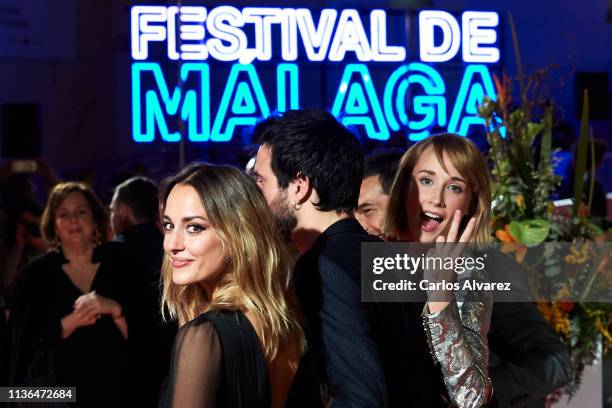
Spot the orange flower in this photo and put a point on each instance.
(505, 235)
(556, 316)
(510, 244)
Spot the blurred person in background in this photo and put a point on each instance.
(134, 219)
(20, 238)
(378, 174)
(74, 307)
(134, 216)
(21, 200)
(25, 243)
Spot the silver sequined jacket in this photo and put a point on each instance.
(457, 337)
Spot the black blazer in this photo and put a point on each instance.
(528, 360)
(367, 354)
(145, 243)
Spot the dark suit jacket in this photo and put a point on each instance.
(528, 360)
(368, 354)
(145, 243)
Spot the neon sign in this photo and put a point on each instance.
(199, 39)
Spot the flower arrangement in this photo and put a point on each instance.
(520, 140)
(523, 216)
(580, 325)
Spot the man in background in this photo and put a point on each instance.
(378, 174)
(134, 221)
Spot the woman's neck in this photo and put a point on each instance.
(78, 253)
(208, 290)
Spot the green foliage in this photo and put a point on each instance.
(523, 182)
(586, 319)
(530, 232)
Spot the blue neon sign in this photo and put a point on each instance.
(414, 96)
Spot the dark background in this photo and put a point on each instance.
(81, 81)
(69, 61)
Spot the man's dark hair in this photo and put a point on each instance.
(383, 163)
(312, 143)
(140, 194)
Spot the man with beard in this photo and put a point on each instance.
(309, 167)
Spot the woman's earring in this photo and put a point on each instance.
(97, 238)
(56, 244)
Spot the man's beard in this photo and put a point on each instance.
(283, 215)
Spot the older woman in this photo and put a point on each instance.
(226, 280)
(72, 312)
(442, 194)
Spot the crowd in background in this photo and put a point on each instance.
(43, 221)
(124, 257)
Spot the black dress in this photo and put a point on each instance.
(94, 359)
(217, 361)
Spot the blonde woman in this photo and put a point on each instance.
(441, 193)
(225, 278)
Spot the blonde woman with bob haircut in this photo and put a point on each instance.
(226, 278)
(442, 194)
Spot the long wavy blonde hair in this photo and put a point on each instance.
(257, 272)
(468, 161)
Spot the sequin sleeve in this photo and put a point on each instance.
(457, 338)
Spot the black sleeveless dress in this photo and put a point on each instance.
(217, 361)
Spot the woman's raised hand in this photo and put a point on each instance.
(454, 247)
(446, 247)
